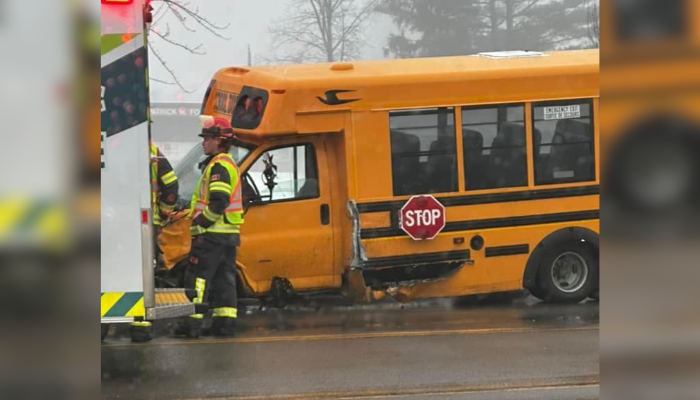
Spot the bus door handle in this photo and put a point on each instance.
(325, 214)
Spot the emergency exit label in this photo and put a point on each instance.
(562, 112)
(422, 217)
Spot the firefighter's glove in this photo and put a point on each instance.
(201, 221)
(196, 230)
(166, 208)
(164, 215)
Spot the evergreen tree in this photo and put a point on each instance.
(453, 27)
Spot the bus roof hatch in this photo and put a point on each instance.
(512, 54)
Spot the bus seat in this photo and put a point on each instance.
(536, 137)
(508, 156)
(566, 154)
(512, 134)
(406, 169)
(441, 163)
(474, 159)
(473, 139)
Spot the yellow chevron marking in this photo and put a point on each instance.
(137, 310)
(108, 300)
(11, 212)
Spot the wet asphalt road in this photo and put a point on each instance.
(429, 350)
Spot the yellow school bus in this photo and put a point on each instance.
(650, 59)
(506, 142)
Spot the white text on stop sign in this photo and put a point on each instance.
(422, 217)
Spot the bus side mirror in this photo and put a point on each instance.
(270, 172)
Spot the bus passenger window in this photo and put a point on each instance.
(563, 142)
(494, 147)
(423, 151)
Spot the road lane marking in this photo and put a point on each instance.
(579, 382)
(350, 336)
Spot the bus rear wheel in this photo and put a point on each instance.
(537, 291)
(568, 273)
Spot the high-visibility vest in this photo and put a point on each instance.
(232, 218)
(167, 179)
(154, 185)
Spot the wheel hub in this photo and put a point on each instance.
(569, 272)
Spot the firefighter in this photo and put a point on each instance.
(217, 215)
(164, 187)
(164, 194)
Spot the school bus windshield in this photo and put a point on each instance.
(188, 171)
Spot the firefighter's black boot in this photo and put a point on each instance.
(188, 327)
(141, 331)
(223, 327)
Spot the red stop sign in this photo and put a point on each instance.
(422, 217)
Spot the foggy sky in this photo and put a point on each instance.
(250, 20)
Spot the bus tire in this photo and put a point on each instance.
(536, 291)
(568, 273)
(596, 295)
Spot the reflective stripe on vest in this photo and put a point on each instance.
(168, 178)
(154, 185)
(200, 197)
(236, 199)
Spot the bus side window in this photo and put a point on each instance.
(565, 152)
(494, 146)
(423, 151)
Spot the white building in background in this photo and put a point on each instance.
(175, 128)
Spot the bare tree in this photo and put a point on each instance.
(320, 31)
(188, 17)
(594, 23)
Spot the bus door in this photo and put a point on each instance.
(288, 228)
